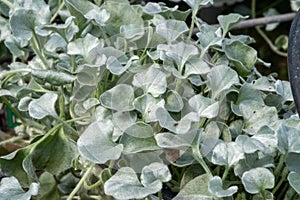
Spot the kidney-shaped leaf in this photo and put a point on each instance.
(83, 46)
(249, 145)
(294, 180)
(288, 139)
(227, 21)
(152, 81)
(22, 23)
(215, 186)
(179, 127)
(227, 154)
(196, 189)
(43, 106)
(126, 185)
(99, 15)
(220, 79)
(118, 98)
(205, 107)
(257, 180)
(11, 189)
(174, 102)
(171, 29)
(95, 143)
(242, 56)
(155, 172)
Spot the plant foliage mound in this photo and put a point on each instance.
(127, 102)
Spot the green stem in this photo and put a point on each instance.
(93, 186)
(280, 164)
(270, 43)
(200, 160)
(12, 140)
(10, 5)
(36, 47)
(283, 178)
(263, 35)
(56, 13)
(14, 71)
(81, 182)
(194, 14)
(13, 109)
(225, 172)
(160, 195)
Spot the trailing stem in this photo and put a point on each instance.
(81, 182)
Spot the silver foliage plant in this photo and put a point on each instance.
(129, 97)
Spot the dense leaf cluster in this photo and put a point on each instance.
(120, 100)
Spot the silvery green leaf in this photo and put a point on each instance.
(242, 38)
(209, 138)
(288, 139)
(152, 81)
(66, 30)
(87, 76)
(248, 92)
(122, 121)
(4, 29)
(220, 79)
(284, 89)
(249, 145)
(171, 29)
(196, 189)
(132, 31)
(205, 107)
(147, 105)
(175, 141)
(215, 187)
(196, 66)
(196, 3)
(43, 106)
(16, 47)
(257, 180)
(227, 154)
(267, 195)
(126, 185)
(23, 22)
(23, 103)
(140, 130)
(228, 21)
(41, 8)
(137, 161)
(99, 15)
(252, 161)
(295, 5)
(257, 115)
(174, 102)
(102, 114)
(180, 127)
(55, 42)
(241, 55)
(132, 144)
(292, 162)
(209, 36)
(264, 84)
(271, 12)
(180, 53)
(95, 143)
(121, 13)
(152, 8)
(10, 188)
(267, 136)
(118, 98)
(294, 180)
(83, 46)
(4, 92)
(115, 66)
(90, 103)
(155, 172)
